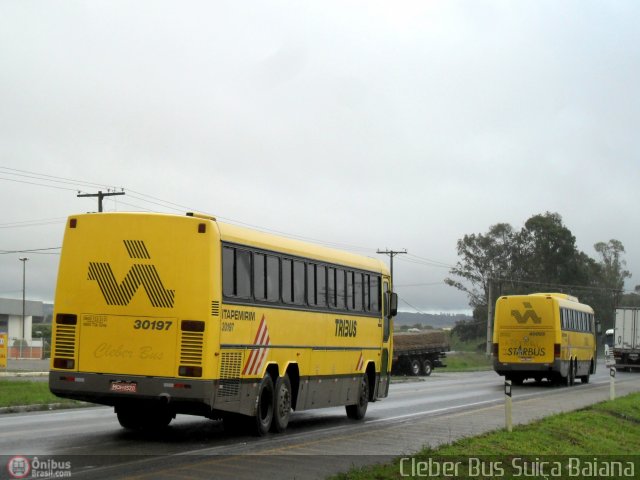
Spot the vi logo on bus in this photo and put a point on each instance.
(529, 314)
(140, 274)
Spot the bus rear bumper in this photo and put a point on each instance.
(541, 368)
(181, 394)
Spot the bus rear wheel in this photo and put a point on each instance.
(143, 418)
(585, 378)
(282, 404)
(571, 375)
(358, 411)
(264, 407)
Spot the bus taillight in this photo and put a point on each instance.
(188, 371)
(64, 363)
(556, 350)
(495, 349)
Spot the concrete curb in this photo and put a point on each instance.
(44, 407)
(23, 374)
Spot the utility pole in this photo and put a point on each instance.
(100, 196)
(391, 253)
(490, 317)
(24, 271)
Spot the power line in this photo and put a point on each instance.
(411, 305)
(33, 223)
(38, 184)
(150, 199)
(435, 263)
(549, 284)
(50, 178)
(42, 251)
(429, 284)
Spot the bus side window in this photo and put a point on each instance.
(331, 287)
(374, 293)
(287, 284)
(273, 279)
(312, 297)
(259, 284)
(357, 292)
(228, 271)
(243, 273)
(365, 288)
(340, 289)
(350, 290)
(321, 285)
(298, 282)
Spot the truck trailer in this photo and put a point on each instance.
(626, 338)
(419, 353)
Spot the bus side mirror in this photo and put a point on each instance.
(394, 304)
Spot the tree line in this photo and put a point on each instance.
(540, 257)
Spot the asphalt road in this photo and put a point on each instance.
(442, 408)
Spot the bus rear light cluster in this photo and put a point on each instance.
(556, 350)
(64, 363)
(187, 371)
(66, 319)
(72, 379)
(192, 326)
(185, 386)
(496, 349)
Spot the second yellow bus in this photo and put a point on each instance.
(544, 336)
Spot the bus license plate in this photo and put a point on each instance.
(124, 387)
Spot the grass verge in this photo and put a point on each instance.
(17, 393)
(460, 361)
(608, 431)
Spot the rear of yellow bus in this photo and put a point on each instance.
(133, 301)
(526, 342)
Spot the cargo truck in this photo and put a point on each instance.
(419, 353)
(626, 338)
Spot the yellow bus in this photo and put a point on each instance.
(544, 336)
(161, 314)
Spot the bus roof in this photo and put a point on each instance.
(270, 242)
(562, 296)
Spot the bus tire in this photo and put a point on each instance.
(427, 367)
(148, 418)
(282, 404)
(358, 411)
(264, 406)
(585, 378)
(414, 367)
(571, 375)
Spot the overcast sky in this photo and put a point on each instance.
(366, 125)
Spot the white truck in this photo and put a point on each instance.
(626, 338)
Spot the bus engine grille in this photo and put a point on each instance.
(191, 348)
(65, 341)
(230, 374)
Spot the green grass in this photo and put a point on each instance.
(467, 362)
(605, 429)
(17, 393)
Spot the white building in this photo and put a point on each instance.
(11, 318)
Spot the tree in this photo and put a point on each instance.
(542, 256)
(612, 266)
(547, 251)
(483, 257)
